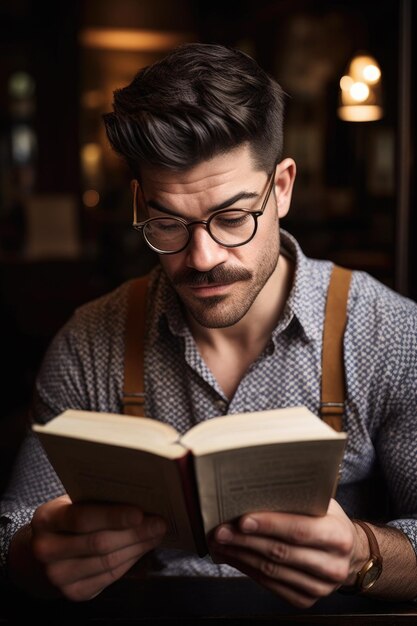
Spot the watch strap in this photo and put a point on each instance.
(374, 556)
(373, 543)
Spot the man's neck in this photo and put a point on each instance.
(229, 352)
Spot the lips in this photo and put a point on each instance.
(208, 285)
(209, 289)
(218, 276)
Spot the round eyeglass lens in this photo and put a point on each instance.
(166, 234)
(232, 227)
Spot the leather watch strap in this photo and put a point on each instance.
(373, 544)
(372, 568)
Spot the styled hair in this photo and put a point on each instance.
(199, 101)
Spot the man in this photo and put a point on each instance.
(235, 320)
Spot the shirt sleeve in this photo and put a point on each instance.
(32, 483)
(33, 480)
(396, 441)
(82, 369)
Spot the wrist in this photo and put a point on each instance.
(360, 553)
(371, 569)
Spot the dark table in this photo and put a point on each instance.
(199, 601)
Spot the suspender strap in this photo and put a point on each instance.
(332, 377)
(133, 389)
(332, 382)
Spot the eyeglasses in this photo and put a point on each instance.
(228, 227)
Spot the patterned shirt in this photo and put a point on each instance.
(83, 369)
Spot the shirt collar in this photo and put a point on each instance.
(307, 299)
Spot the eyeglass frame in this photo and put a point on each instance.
(141, 225)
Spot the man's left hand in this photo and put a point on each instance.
(300, 558)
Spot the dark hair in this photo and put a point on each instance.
(199, 101)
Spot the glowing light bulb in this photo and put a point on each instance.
(346, 83)
(360, 97)
(371, 73)
(359, 92)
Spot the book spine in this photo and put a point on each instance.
(192, 501)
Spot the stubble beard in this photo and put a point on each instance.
(226, 310)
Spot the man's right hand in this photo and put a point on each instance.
(79, 549)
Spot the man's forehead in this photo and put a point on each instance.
(233, 166)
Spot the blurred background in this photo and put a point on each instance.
(65, 203)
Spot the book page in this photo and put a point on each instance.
(262, 427)
(96, 472)
(291, 477)
(141, 433)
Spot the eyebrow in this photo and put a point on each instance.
(243, 195)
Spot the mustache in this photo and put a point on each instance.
(218, 274)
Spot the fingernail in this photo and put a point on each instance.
(224, 535)
(249, 525)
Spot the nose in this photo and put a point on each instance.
(203, 253)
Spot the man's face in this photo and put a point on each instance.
(218, 285)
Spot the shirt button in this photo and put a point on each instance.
(270, 348)
(221, 404)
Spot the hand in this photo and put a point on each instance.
(300, 558)
(83, 548)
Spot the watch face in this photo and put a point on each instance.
(372, 574)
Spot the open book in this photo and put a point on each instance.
(278, 460)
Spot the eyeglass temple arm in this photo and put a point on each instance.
(135, 204)
(270, 188)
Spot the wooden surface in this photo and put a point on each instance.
(200, 601)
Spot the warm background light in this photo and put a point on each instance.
(346, 82)
(371, 73)
(361, 65)
(130, 39)
(360, 113)
(91, 198)
(90, 159)
(360, 91)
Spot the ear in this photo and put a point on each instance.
(284, 183)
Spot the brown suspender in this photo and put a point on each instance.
(333, 380)
(133, 389)
(332, 403)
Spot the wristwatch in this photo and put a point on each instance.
(371, 570)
